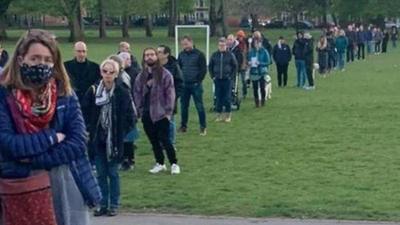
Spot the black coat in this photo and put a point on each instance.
(123, 119)
(237, 53)
(193, 65)
(173, 67)
(298, 49)
(309, 52)
(82, 75)
(223, 65)
(283, 55)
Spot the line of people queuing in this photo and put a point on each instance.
(50, 109)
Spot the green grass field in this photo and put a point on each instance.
(330, 153)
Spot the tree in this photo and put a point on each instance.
(4, 5)
(250, 8)
(217, 18)
(72, 10)
(102, 19)
(172, 16)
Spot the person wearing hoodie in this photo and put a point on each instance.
(223, 68)
(282, 56)
(171, 64)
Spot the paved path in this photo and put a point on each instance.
(157, 219)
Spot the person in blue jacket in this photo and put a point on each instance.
(259, 61)
(282, 56)
(44, 167)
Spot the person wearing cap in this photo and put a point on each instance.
(223, 67)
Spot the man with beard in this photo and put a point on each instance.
(155, 98)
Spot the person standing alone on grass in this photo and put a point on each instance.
(259, 61)
(171, 64)
(155, 99)
(298, 51)
(341, 46)
(223, 68)
(194, 68)
(109, 109)
(282, 56)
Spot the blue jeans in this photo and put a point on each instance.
(341, 60)
(301, 73)
(244, 82)
(195, 90)
(172, 130)
(223, 89)
(108, 178)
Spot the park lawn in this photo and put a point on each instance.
(330, 153)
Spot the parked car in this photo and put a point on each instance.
(390, 25)
(304, 24)
(276, 24)
(245, 23)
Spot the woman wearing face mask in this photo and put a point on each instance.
(109, 110)
(44, 169)
(258, 60)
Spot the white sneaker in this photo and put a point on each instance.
(158, 168)
(175, 169)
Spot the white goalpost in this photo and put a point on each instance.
(177, 27)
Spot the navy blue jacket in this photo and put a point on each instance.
(193, 65)
(41, 149)
(361, 37)
(283, 55)
(298, 49)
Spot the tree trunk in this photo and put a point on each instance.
(213, 19)
(102, 23)
(335, 19)
(149, 26)
(75, 24)
(125, 25)
(3, 19)
(223, 19)
(172, 10)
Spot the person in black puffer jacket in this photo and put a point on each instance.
(223, 68)
(194, 68)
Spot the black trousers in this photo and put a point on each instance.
(378, 47)
(361, 51)
(309, 72)
(282, 74)
(259, 84)
(158, 134)
(129, 152)
(384, 46)
(350, 53)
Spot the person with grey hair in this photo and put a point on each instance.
(128, 81)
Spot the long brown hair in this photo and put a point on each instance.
(157, 69)
(11, 74)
